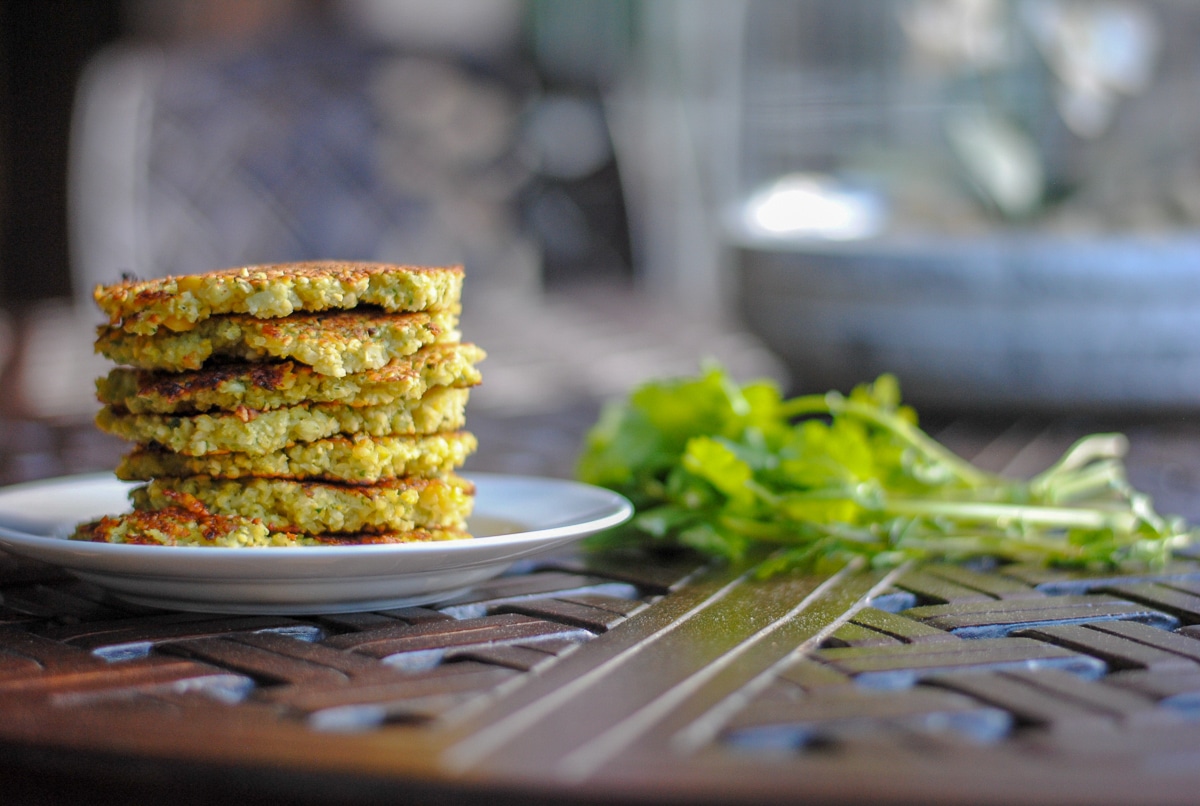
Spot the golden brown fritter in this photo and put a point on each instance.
(286, 383)
(313, 507)
(276, 290)
(261, 432)
(293, 404)
(353, 460)
(334, 344)
(188, 523)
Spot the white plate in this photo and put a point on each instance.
(515, 517)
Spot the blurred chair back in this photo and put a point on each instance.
(307, 147)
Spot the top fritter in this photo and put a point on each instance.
(269, 291)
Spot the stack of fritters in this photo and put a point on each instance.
(291, 404)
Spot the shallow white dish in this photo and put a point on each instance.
(515, 517)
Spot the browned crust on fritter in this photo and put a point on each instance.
(191, 522)
(361, 324)
(174, 524)
(176, 386)
(284, 383)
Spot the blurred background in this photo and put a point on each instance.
(995, 199)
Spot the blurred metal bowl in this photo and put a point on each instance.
(999, 322)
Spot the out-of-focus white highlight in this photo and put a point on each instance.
(805, 205)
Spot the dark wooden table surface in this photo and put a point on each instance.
(590, 679)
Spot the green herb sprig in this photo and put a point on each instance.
(721, 467)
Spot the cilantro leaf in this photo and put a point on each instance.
(720, 467)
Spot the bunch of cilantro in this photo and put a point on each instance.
(722, 468)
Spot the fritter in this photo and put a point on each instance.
(354, 460)
(277, 290)
(190, 524)
(331, 343)
(261, 432)
(286, 383)
(313, 507)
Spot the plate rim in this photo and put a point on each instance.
(306, 580)
(617, 510)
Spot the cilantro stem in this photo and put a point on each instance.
(1010, 514)
(1106, 475)
(1085, 451)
